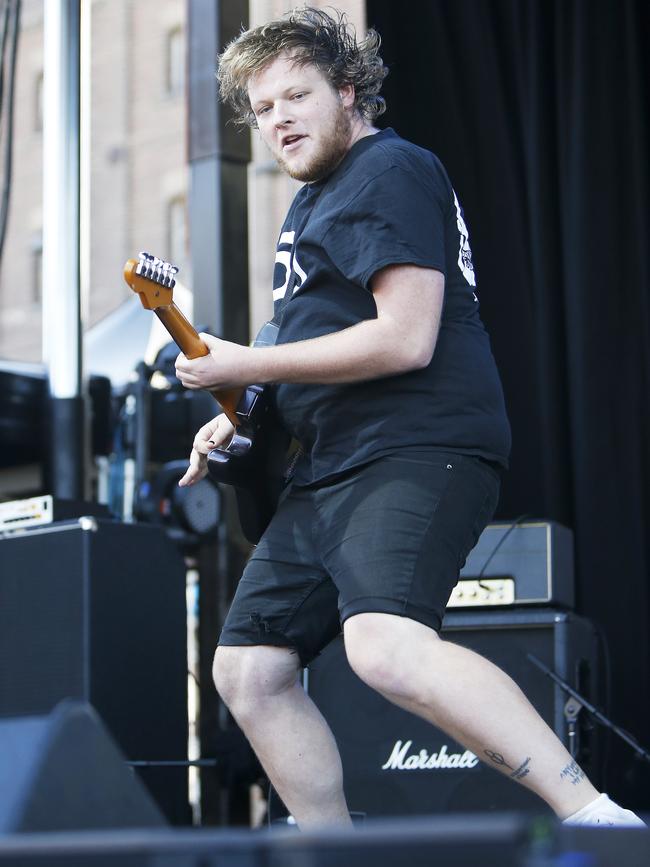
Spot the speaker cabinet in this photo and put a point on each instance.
(95, 610)
(63, 772)
(394, 763)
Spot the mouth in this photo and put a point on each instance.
(291, 142)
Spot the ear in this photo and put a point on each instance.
(347, 95)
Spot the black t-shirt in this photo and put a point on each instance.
(388, 202)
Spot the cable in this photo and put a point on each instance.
(503, 538)
(173, 763)
(3, 47)
(14, 9)
(607, 684)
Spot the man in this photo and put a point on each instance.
(383, 372)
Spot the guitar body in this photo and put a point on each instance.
(255, 460)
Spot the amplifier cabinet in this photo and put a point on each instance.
(395, 763)
(95, 610)
(533, 561)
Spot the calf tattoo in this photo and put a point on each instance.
(516, 773)
(497, 758)
(522, 771)
(573, 773)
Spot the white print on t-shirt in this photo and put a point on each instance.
(464, 252)
(289, 262)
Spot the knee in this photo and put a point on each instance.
(245, 677)
(383, 649)
(225, 668)
(374, 661)
(376, 669)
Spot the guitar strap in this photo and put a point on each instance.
(268, 335)
(288, 295)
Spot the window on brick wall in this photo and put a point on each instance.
(176, 62)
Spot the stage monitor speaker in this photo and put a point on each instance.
(454, 841)
(95, 610)
(503, 840)
(395, 763)
(63, 772)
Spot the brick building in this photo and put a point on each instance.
(136, 185)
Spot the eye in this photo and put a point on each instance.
(298, 95)
(263, 110)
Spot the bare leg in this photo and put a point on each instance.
(290, 737)
(469, 698)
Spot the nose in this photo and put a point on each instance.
(282, 114)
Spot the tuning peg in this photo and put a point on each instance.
(156, 269)
(144, 260)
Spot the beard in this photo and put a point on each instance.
(334, 145)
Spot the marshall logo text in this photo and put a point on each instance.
(399, 760)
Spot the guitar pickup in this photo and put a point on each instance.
(248, 401)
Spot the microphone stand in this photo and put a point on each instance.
(573, 708)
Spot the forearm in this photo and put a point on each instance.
(369, 350)
(402, 337)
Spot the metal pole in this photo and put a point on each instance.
(61, 293)
(218, 156)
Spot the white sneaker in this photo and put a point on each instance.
(604, 813)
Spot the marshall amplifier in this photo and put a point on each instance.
(518, 564)
(395, 763)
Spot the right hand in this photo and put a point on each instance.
(215, 433)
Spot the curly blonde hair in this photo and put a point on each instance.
(308, 35)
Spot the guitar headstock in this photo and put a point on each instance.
(152, 279)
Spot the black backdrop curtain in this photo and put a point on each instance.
(539, 112)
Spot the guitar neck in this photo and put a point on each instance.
(191, 345)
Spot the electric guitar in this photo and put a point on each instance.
(254, 462)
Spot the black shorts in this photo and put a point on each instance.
(390, 537)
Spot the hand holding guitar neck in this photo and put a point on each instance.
(153, 280)
(254, 460)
